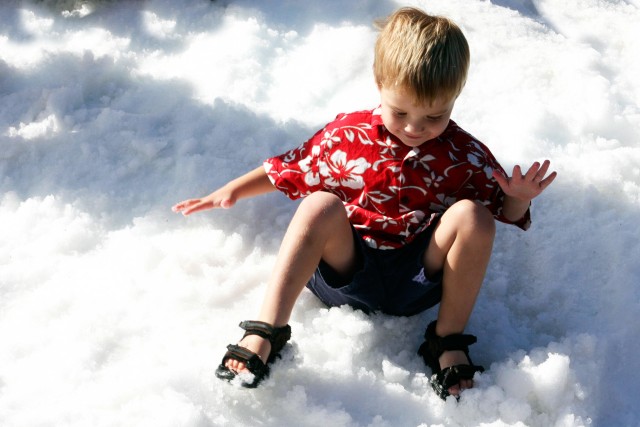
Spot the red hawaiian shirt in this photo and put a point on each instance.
(391, 191)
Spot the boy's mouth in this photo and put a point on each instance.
(412, 136)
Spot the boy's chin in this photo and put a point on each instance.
(412, 142)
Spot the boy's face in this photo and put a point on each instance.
(413, 124)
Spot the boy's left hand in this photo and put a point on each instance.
(527, 186)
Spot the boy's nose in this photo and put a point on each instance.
(412, 128)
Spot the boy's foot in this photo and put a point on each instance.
(255, 344)
(452, 370)
(455, 358)
(258, 348)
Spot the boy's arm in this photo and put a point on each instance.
(513, 209)
(251, 184)
(521, 189)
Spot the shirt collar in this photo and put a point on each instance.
(376, 117)
(376, 120)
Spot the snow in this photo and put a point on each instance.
(115, 312)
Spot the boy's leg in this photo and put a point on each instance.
(460, 247)
(320, 229)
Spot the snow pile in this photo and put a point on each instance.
(115, 311)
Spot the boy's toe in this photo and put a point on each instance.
(454, 391)
(459, 388)
(466, 384)
(235, 365)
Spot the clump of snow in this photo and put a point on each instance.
(115, 311)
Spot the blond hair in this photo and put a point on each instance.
(427, 56)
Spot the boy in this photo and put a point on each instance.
(398, 210)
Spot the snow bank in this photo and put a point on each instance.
(114, 311)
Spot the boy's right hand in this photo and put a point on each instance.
(250, 184)
(217, 199)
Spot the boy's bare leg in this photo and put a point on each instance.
(320, 229)
(461, 247)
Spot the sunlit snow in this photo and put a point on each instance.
(114, 311)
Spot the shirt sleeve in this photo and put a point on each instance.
(486, 188)
(296, 172)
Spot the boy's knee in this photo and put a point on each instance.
(474, 217)
(322, 205)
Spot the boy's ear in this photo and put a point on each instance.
(377, 82)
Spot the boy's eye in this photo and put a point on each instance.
(434, 119)
(399, 113)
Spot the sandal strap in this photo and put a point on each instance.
(278, 337)
(249, 358)
(457, 342)
(431, 350)
(256, 327)
(438, 345)
(434, 345)
(448, 377)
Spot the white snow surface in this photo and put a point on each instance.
(114, 311)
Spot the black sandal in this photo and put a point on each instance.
(278, 337)
(431, 350)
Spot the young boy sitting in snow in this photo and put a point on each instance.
(398, 210)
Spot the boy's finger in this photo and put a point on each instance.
(500, 178)
(184, 203)
(517, 172)
(178, 207)
(548, 180)
(532, 172)
(543, 169)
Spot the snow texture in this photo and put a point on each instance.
(115, 312)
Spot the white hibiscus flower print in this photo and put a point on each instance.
(309, 166)
(339, 171)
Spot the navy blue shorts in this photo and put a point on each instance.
(390, 281)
